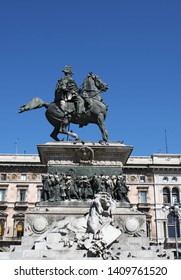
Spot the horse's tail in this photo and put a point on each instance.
(34, 103)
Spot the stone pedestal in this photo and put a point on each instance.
(82, 162)
(84, 158)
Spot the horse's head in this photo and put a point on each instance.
(100, 85)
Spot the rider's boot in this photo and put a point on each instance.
(79, 109)
(87, 103)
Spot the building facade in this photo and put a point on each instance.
(20, 189)
(154, 188)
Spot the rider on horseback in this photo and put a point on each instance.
(67, 90)
(69, 101)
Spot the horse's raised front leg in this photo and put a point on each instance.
(102, 127)
(69, 133)
(62, 128)
(56, 132)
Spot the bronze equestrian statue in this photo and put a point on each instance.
(73, 105)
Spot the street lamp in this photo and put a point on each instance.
(174, 211)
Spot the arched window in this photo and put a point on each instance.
(175, 195)
(1, 228)
(20, 229)
(166, 195)
(173, 226)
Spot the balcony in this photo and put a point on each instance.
(3, 205)
(21, 205)
(171, 240)
(144, 207)
(8, 241)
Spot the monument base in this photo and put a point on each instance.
(60, 233)
(80, 219)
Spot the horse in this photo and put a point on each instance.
(60, 117)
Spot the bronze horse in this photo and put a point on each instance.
(60, 118)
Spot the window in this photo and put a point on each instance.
(165, 179)
(20, 229)
(41, 195)
(143, 196)
(1, 228)
(3, 177)
(2, 194)
(23, 177)
(22, 191)
(142, 179)
(175, 195)
(148, 228)
(166, 195)
(174, 179)
(22, 195)
(173, 226)
(165, 229)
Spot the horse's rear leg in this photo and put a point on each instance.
(54, 133)
(102, 127)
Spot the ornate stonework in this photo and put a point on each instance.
(69, 153)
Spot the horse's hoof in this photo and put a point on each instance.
(54, 137)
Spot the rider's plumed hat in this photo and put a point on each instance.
(67, 69)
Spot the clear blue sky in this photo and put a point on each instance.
(133, 45)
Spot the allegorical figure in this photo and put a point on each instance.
(48, 191)
(121, 190)
(100, 213)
